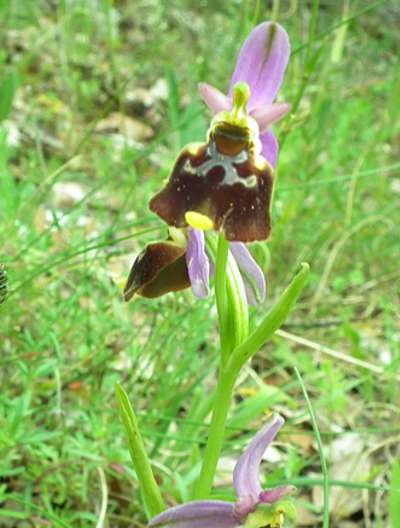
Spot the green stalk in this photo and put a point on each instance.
(220, 290)
(230, 370)
(233, 319)
(232, 303)
(324, 467)
(212, 452)
(152, 498)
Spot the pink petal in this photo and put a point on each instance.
(198, 514)
(214, 99)
(246, 473)
(269, 147)
(262, 63)
(268, 114)
(198, 263)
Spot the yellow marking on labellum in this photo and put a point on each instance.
(262, 164)
(199, 221)
(193, 148)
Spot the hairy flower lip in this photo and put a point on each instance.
(224, 180)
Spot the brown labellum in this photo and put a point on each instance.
(160, 268)
(223, 179)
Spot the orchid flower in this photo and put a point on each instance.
(254, 507)
(227, 181)
(224, 181)
(182, 261)
(229, 178)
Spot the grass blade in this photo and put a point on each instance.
(394, 495)
(320, 450)
(272, 321)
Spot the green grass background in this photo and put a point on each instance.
(66, 337)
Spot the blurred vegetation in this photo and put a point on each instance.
(96, 98)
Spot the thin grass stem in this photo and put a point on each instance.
(324, 466)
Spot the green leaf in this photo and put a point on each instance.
(12, 514)
(394, 495)
(272, 321)
(7, 92)
(151, 493)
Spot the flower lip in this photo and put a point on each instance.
(229, 186)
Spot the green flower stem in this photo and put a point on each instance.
(220, 292)
(152, 498)
(232, 302)
(232, 314)
(223, 398)
(233, 320)
(271, 322)
(324, 467)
